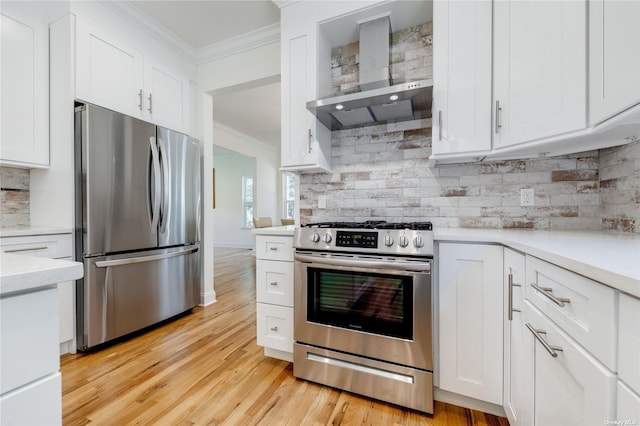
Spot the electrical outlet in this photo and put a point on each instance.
(526, 197)
(322, 201)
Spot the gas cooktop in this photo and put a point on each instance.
(372, 224)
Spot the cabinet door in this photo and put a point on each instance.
(539, 69)
(462, 76)
(166, 97)
(518, 393)
(108, 73)
(306, 144)
(24, 134)
(470, 291)
(572, 388)
(628, 405)
(614, 62)
(629, 341)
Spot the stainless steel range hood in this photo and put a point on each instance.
(377, 100)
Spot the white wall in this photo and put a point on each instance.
(228, 215)
(248, 66)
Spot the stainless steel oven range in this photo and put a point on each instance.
(362, 310)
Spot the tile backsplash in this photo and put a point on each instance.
(382, 172)
(14, 197)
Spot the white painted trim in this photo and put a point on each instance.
(231, 46)
(234, 45)
(466, 402)
(208, 298)
(243, 136)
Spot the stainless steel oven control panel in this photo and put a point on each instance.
(377, 241)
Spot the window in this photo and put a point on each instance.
(247, 201)
(289, 196)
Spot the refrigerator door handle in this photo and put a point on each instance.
(166, 193)
(155, 209)
(141, 259)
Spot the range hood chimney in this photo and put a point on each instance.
(377, 100)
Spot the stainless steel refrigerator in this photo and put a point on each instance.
(138, 224)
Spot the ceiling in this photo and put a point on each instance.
(253, 111)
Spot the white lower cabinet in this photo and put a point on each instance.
(628, 406)
(570, 386)
(518, 403)
(30, 384)
(274, 295)
(471, 320)
(54, 246)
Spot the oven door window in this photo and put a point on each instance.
(369, 302)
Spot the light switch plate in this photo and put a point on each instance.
(322, 201)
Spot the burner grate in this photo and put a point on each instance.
(373, 224)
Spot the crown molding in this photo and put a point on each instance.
(244, 136)
(251, 40)
(247, 41)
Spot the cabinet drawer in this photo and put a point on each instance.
(271, 247)
(274, 281)
(38, 403)
(629, 342)
(570, 386)
(54, 246)
(587, 313)
(275, 327)
(29, 330)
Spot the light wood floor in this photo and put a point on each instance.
(205, 368)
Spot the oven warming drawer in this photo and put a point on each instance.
(405, 386)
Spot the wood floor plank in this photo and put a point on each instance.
(205, 368)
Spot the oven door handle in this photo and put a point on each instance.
(360, 263)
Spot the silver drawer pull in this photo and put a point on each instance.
(273, 283)
(26, 249)
(546, 292)
(273, 248)
(553, 350)
(274, 328)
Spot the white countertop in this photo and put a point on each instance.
(275, 230)
(22, 273)
(610, 258)
(32, 230)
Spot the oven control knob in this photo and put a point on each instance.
(315, 237)
(403, 241)
(418, 242)
(326, 238)
(388, 240)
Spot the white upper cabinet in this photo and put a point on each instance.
(614, 58)
(539, 86)
(167, 97)
(24, 139)
(462, 76)
(108, 72)
(117, 76)
(306, 143)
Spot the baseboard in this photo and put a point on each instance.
(466, 402)
(275, 353)
(208, 298)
